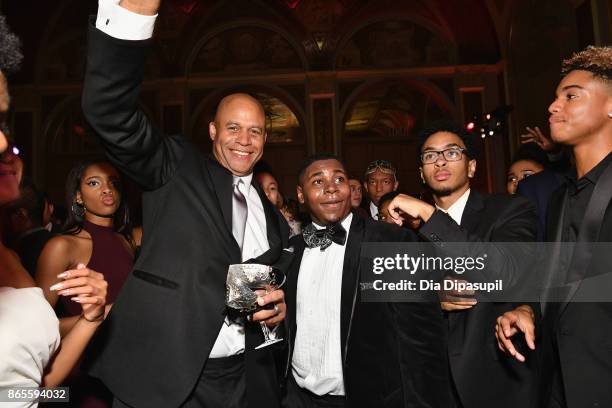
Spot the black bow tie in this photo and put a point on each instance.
(324, 237)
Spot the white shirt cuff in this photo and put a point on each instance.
(123, 24)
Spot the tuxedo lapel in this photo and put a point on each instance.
(222, 180)
(471, 213)
(292, 277)
(350, 279)
(271, 215)
(470, 221)
(549, 286)
(589, 232)
(291, 291)
(271, 256)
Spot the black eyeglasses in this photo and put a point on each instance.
(451, 154)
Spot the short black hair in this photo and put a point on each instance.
(450, 127)
(10, 49)
(262, 167)
(387, 197)
(532, 152)
(315, 158)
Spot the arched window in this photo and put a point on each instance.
(381, 121)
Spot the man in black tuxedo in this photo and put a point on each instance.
(168, 341)
(575, 326)
(481, 375)
(344, 352)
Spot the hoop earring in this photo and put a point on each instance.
(78, 209)
(610, 115)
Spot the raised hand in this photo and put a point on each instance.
(413, 207)
(451, 300)
(535, 135)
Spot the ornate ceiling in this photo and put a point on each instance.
(286, 34)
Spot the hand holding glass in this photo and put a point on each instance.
(242, 281)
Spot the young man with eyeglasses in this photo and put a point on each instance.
(462, 214)
(380, 179)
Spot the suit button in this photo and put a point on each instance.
(564, 331)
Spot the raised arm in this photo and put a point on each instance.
(518, 226)
(117, 50)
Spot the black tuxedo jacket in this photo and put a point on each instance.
(152, 348)
(483, 375)
(393, 354)
(538, 188)
(576, 336)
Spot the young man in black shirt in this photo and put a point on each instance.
(573, 333)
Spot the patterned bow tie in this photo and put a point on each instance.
(324, 237)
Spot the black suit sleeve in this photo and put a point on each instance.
(110, 104)
(516, 223)
(421, 342)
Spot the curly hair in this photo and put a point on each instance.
(471, 149)
(596, 60)
(10, 49)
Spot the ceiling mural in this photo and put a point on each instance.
(391, 110)
(244, 49)
(283, 125)
(394, 44)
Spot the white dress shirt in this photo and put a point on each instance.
(230, 340)
(317, 357)
(455, 211)
(373, 210)
(120, 23)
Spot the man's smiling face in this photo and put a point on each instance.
(325, 190)
(238, 133)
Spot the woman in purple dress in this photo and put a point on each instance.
(97, 234)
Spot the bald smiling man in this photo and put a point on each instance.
(168, 341)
